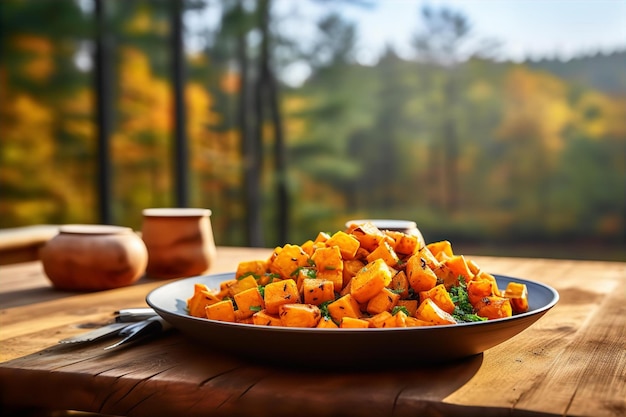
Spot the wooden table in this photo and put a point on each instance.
(571, 362)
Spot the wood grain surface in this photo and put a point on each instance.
(571, 362)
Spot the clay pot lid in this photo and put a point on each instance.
(176, 212)
(93, 229)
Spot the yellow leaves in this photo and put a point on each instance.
(40, 63)
(536, 108)
(597, 115)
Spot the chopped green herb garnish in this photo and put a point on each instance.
(397, 309)
(463, 311)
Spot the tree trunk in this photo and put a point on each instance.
(250, 149)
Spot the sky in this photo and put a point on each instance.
(526, 28)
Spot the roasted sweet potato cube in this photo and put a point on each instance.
(441, 250)
(440, 296)
(201, 298)
(385, 300)
(382, 320)
(299, 315)
(420, 276)
(459, 267)
(428, 257)
(400, 284)
(280, 293)
(328, 258)
(352, 323)
(345, 306)
(410, 305)
(305, 273)
(322, 237)
(414, 322)
(446, 275)
(385, 252)
(431, 313)
(370, 280)
(483, 285)
(326, 323)
(400, 317)
(288, 260)
(221, 311)
(308, 247)
(368, 235)
(494, 307)
(329, 265)
(240, 285)
(263, 318)
(248, 302)
(254, 268)
(350, 269)
(517, 293)
(405, 244)
(347, 244)
(317, 291)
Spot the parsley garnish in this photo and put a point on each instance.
(397, 309)
(463, 310)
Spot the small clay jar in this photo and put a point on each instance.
(179, 240)
(84, 257)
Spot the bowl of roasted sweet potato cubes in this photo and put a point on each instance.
(358, 290)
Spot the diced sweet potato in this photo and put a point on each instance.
(350, 269)
(248, 302)
(352, 323)
(201, 298)
(382, 320)
(299, 315)
(441, 250)
(280, 293)
(329, 265)
(518, 295)
(368, 235)
(326, 323)
(385, 300)
(287, 260)
(400, 284)
(431, 313)
(240, 285)
(410, 305)
(221, 311)
(317, 291)
(400, 317)
(347, 244)
(419, 274)
(483, 285)
(415, 322)
(263, 318)
(370, 280)
(254, 268)
(494, 307)
(345, 306)
(440, 296)
(405, 244)
(459, 267)
(385, 252)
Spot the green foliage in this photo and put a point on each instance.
(470, 149)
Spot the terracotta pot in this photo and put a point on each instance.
(93, 257)
(179, 240)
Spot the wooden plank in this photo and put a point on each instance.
(571, 362)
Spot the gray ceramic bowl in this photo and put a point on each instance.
(345, 347)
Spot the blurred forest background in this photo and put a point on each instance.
(498, 157)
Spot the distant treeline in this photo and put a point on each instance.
(473, 150)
